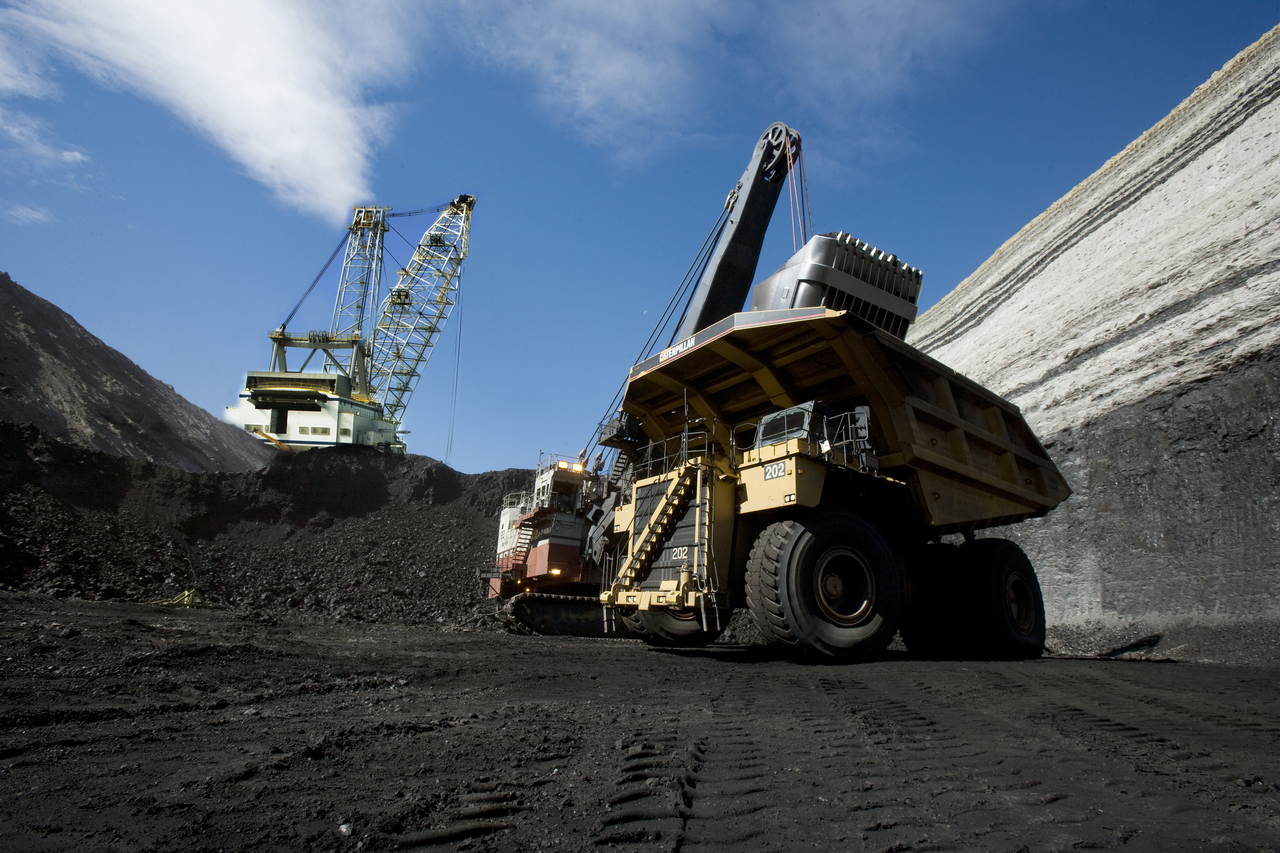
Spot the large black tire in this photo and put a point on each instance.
(827, 585)
(673, 628)
(936, 627)
(1009, 610)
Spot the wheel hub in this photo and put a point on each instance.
(845, 587)
(1020, 604)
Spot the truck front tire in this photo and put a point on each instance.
(827, 584)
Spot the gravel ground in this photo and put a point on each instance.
(132, 728)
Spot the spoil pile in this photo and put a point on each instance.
(57, 375)
(341, 533)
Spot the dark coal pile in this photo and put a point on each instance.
(339, 533)
(133, 728)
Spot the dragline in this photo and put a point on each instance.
(356, 378)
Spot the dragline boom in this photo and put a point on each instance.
(414, 311)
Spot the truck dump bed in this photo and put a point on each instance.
(968, 456)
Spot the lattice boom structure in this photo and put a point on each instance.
(361, 271)
(415, 310)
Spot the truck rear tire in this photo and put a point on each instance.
(673, 629)
(827, 584)
(1009, 605)
(936, 626)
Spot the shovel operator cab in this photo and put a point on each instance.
(801, 460)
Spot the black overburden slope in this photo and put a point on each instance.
(56, 375)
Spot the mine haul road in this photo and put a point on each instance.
(128, 727)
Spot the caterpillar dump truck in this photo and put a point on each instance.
(799, 459)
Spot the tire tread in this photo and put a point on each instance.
(763, 600)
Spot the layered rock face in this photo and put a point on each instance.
(1136, 322)
(57, 376)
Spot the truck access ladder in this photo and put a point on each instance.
(656, 530)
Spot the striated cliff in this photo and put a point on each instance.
(1136, 322)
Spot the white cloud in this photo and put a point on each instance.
(281, 86)
(20, 214)
(858, 52)
(25, 143)
(22, 69)
(629, 73)
(619, 71)
(285, 87)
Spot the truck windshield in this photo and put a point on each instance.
(787, 424)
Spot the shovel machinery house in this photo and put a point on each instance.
(356, 377)
(798, 459)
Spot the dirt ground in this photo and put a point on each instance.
(131, 727)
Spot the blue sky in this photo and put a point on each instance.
(173, 175)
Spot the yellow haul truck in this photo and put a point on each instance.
(804, 463)
(801, 460)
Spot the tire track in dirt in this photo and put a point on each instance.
(732, 795)
(981, 757)
(1221, 764)
(730, 778)
(1239, 741)
(650, 795)
(781, 769)
(936, 787)
(377, 738)
(487, 807)
(1260, 723)
(1085, 762)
